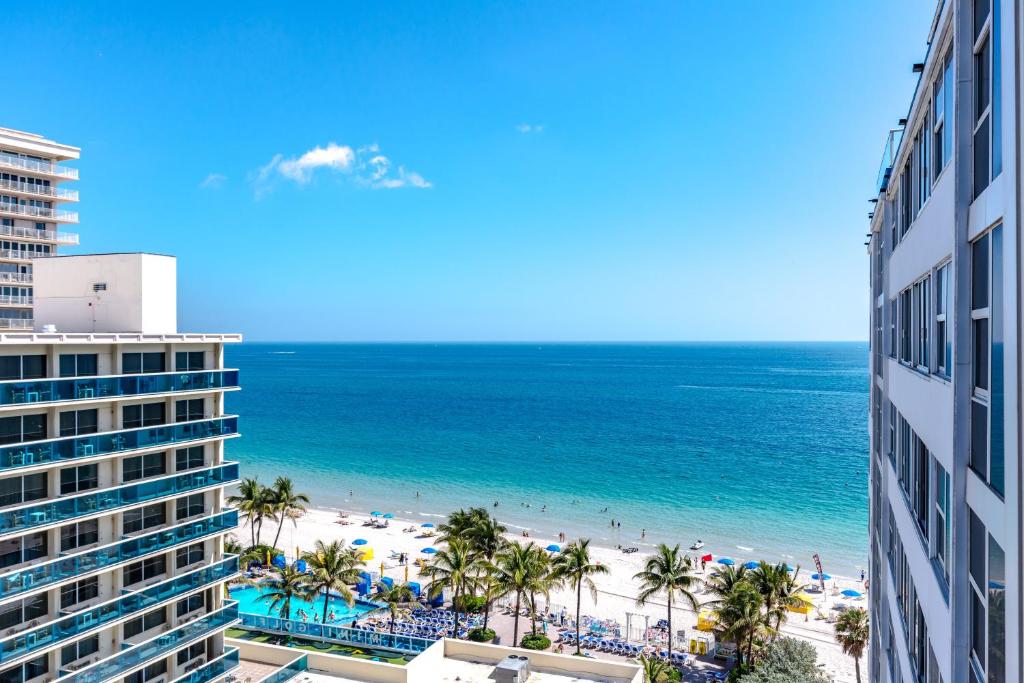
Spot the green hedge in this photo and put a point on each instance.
(470, 603)
(535, 641)
(481, 635)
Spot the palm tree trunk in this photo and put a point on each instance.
(259, 529)
(327, 600)
(750, 648)
(394, 615)
(670, 626)
(455, 604)
(252, 531)
(280, 525)
(856, 667)
(533, 612)
(487, 609)
(579, 597)
(515, 628)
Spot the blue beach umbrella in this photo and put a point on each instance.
(388, 515)
(821, 577)
(850, 593)
(726, 561)
(553, 548)
(790, 569)
(301, 566)
(360, 541)
(427, 525)
(429, 551)
(751, 564)
(375, 514)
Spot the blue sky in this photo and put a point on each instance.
(461, 171)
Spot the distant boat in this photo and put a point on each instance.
(698, 545)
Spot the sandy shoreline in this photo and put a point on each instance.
(616, 590)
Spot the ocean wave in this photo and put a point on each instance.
(744, 548)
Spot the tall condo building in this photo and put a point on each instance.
(945, 402)
(112, 477)
(30, 216)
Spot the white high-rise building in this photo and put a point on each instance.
(945, 406)
(112, 478)
(30, 216)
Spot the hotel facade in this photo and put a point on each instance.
(945, 401)
(32, 219)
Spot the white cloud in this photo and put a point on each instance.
(526, 128)
(365, 166)
(214, 181)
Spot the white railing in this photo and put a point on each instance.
(37, 166)
(39, 212)
(15, 323)
(42, 190)
(33, 234)
(19, 255)
(15, 300)
(21, 278)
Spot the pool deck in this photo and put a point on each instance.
(249, 671)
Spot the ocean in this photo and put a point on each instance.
(760, 450)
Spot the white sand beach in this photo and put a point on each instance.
(616, 590)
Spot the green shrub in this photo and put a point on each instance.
(535, 641)
(481, 635)
(470, 603)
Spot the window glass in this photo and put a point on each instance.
(141, 466)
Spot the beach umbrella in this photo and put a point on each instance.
(790, 569)
(726, 561)
(821, 577)
(388, 515)
(427, 525)
(553, 548)
(375, 514)
(359, 541)
(429, 551)
(301, 566)
(850, 593)
(751, 564)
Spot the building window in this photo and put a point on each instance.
(943, 340)
(80, 591)
(21, 611)
(78, 479)
(19, 673)
(893, 317)
(138, 363)
(190, 604)
(922, 318)
(943, 544)
(144, 623)
(149, 673)
(22, 549)
(144, 415)
(22, 428)
(189, 458)
(144, 570)
(17, 490)
(143, 518)
(79, 422)
(987, 98)
(191, 652)
(82, 648)
(142, 466)
(183, 557)
(79, 535)
(189, 361)
(78, 365)
(906, 325)
(188, 410)
(22, 367)
(188, 506)
(987, 393)
(942, 115)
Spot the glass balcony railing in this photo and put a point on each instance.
(64, 509)
(18, 392)
(39, 212)
(892, 146)
(288, 671)
(63, 568)
(75, 447)
(78, 624)
(9, 160)
(116, 666)
(213, 670)
(335, 634)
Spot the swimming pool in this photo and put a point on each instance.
(249, 602)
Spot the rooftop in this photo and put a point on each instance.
(35, 143)
(114, 338)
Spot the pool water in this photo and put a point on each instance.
(249, 602)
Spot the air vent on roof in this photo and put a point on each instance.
(99, 287)
(918, 67)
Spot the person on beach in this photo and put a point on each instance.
(643, 534)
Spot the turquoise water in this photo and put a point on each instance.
(249, 603)
(758, 449)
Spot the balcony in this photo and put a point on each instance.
(23, 254)
(12, 209)
(36, 190)
(892, 146)
(336, 634)
(16, 323)
(288, 671)
(215, 669)
(8, 160)
(77, 447)
(17, 301)
(118, 665)
(78, 565)
(21, 392)
(64, 509)
(79, 624)
(39, 235)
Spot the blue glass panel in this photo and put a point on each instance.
(336, 634)
(74, 447)
(109, 499)
(62, 568)
(88, 388)
(288, 671)
(215, 669)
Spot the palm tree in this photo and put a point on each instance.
(778, 589)
(487, 537)
(852, 631)
(459, 524)
(722, 581)
(740, 619)
(456, 568)
(654, 669)
(335, 567)
(512, 573)
(251, 502)
(670, 571)
(290, 584)
(286, 503)
(574, 566)
(542, 580)
(395, 596)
